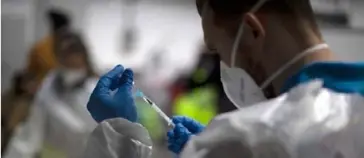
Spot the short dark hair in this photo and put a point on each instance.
(237, 7)
(58, 19)
(292, 11)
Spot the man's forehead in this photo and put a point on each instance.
(200, 2)
(199, 5)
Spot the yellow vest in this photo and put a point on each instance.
(200, 104)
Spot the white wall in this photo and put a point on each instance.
(347, 44)
(173, 28)
(17, 37)
(74, 8)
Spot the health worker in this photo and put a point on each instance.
(59, 122)
(308, 103)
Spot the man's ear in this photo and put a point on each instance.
(255, 24)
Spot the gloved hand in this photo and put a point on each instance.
(104, 105)
(184, 128)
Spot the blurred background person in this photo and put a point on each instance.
(70, 85)
(15, 105)
(42, 58)
(59, 122)
(199, 94)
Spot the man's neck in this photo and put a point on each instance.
(317, 56)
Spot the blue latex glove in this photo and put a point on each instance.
(104, 105)
(184, 129)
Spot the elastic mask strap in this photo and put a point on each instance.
(308, 51)
(240, 33)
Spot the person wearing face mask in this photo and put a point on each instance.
(59, 122)
(41, 59)
(308, 103)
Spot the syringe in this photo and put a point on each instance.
(156, 108)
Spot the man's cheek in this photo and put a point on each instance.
(224, 43)
(212, 39)
(225, 48)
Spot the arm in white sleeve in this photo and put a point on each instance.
(119, 138)
(309, 121)
(28, 137)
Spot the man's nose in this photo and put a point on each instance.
(209, 44)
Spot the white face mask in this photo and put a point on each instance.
(71, 77)
(239, 86)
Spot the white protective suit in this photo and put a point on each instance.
(63, 123)
(309, 121)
